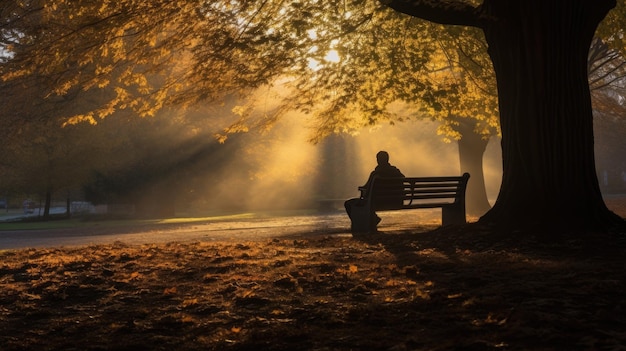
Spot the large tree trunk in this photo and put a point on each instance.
(539, 50)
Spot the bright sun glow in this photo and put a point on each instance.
(314, 64)
(332, 56)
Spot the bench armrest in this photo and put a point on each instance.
(363, 190)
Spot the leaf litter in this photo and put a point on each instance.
(459, 288)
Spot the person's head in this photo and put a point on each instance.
(382, 157)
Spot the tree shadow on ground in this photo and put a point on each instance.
(515, 290)
(443, 289)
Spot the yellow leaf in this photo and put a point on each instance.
(190, 302)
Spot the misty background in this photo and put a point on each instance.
(174, 165)
(165, 166)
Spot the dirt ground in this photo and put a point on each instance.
(424, 288)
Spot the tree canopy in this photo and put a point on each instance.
(144, 56)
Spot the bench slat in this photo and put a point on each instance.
(410, 196)
(432, 185)
(417, 192)
(413, 206)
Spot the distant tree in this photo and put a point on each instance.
(607, 67)
(49, 159)
(607, 77)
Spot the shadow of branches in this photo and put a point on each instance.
(457, 288)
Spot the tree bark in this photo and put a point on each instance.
(47, 203)
(68, 205)
(539, 50)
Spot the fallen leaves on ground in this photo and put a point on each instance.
(459, 288)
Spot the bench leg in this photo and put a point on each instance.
(361, 220)
(453, 215)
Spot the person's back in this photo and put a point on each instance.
(388, 193)
(390, 183)
(383, 170)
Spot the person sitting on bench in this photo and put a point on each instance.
(383, 169)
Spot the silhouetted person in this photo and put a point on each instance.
(383, 170)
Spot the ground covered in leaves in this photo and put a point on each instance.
(453, 289)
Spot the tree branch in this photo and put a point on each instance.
(439, 11)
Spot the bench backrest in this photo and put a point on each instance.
(415, 192)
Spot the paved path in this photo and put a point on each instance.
(335, 223)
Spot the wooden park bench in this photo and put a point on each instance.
(389, 194)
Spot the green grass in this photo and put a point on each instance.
(95, 221)
(53, 224)
(82, 223)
